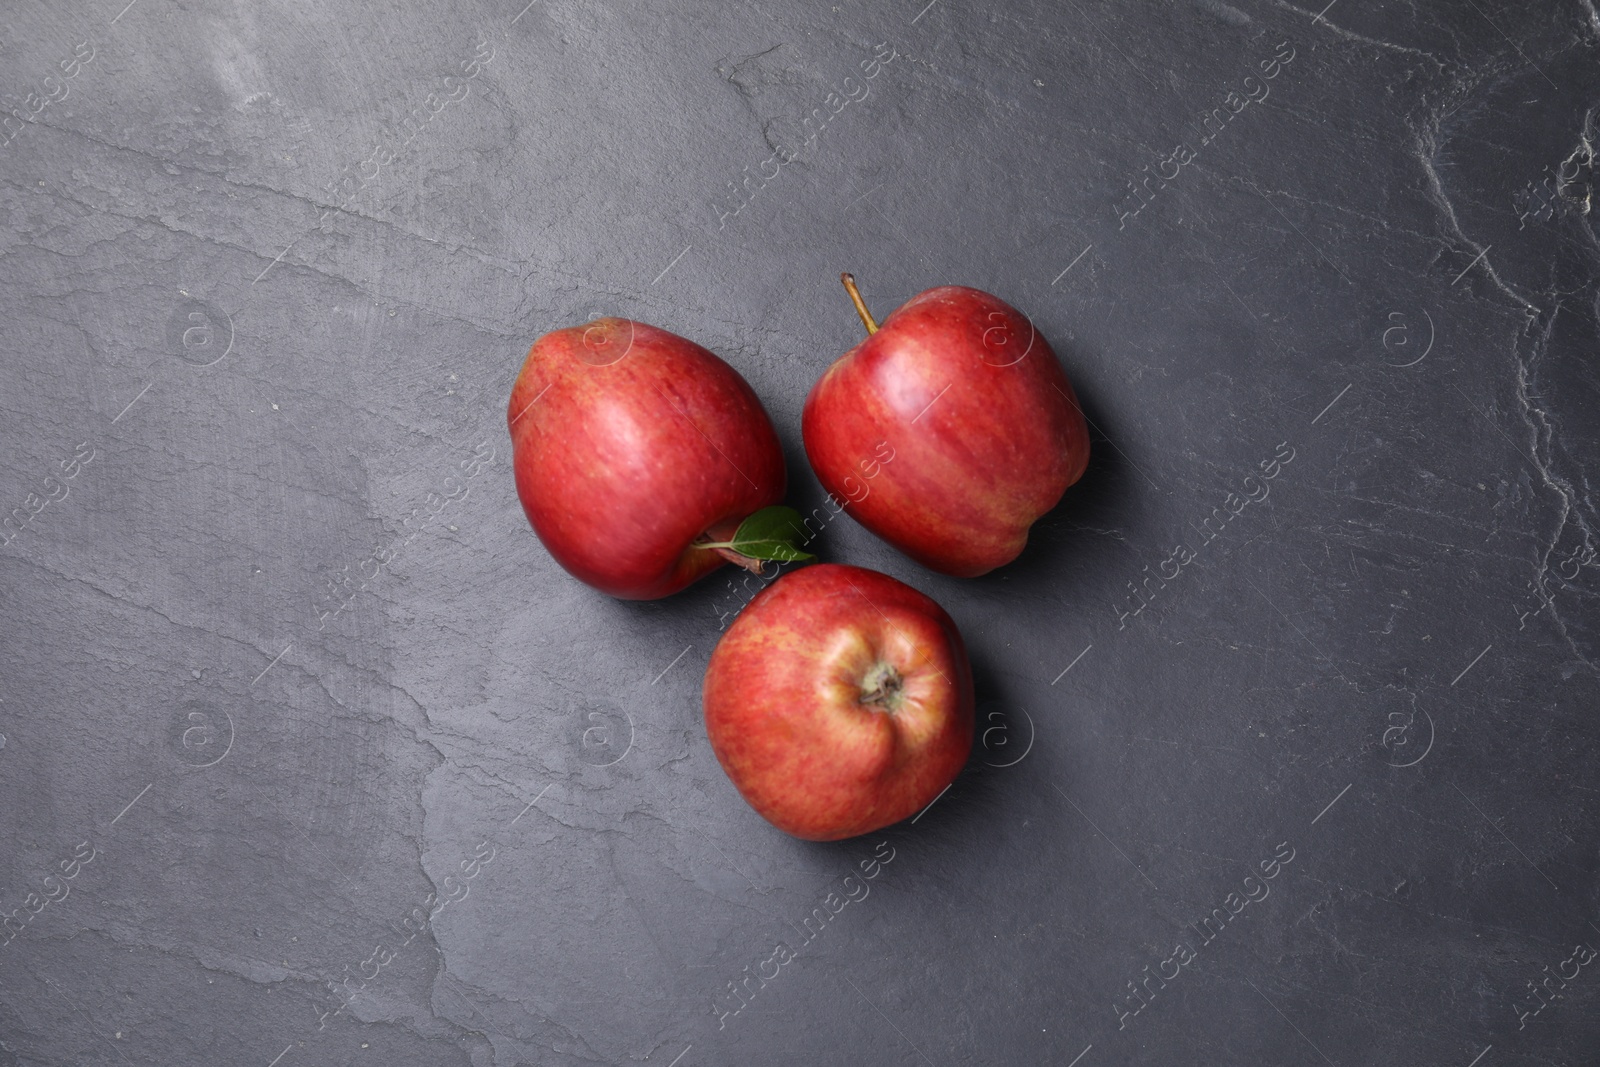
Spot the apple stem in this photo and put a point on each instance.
(861, 305)
(738, 559)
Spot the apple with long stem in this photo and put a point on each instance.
(839, 701)
(643, 461)
(986, 428)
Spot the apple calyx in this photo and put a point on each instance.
(881, 689)
(772, 533)
(867, 320)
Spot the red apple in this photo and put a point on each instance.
(839, 701)
(633, 448)
(985, 429)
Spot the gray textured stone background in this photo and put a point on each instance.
(246, 360)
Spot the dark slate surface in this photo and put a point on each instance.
(242, 351)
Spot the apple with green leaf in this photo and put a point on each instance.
(643, 461)
(986, 429)
(840, 701)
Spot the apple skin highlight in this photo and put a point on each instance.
(986, 428)
(630, 444)
(840, 702)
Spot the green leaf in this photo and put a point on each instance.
(771, 533)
